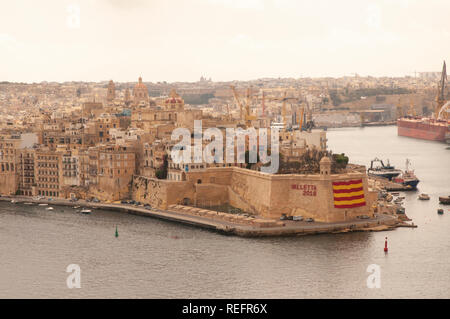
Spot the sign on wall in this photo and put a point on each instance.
(307, 190)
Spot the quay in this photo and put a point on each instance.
(231, 224)
(389, 186)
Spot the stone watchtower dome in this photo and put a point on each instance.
(325, 166)
(174, 102)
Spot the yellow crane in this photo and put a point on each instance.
(412, 109)
(238, 102)
(283, 111)
(399, 110)
(247, 117)
(228, 112)
(300, 120)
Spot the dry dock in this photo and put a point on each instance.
(228, 223)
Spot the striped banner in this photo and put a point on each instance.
(348, 194)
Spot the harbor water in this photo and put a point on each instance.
(152, 258)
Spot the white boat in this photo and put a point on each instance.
(85, 211)
(13, 201)
(424, 197)
(49, 208)
(43, 204)
(76, 207)
(28, 203)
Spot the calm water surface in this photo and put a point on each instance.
(157, 259)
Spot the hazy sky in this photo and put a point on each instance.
(180, 40)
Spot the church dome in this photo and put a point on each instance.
(140, 85)
(174, 98)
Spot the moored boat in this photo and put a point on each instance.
(444, 200)
(435, 128)
(424, 197)
(407, 178)
(49, 208)
(85, 211)
(385, 171)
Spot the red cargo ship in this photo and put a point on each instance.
(423, 128)
(427, 128)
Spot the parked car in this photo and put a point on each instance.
(283, 217)
(147, 206)
(297, 218)
(96, 200)
(310, 220)
(364, 217)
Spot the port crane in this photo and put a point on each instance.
(442, 105)
(412, 109)
(228, 113)
(399, 110)
(247, 117)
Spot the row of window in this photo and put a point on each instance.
(48, 173)
(103, 156)
(48, 179)
(47, 193)
(47, 165)
(111, 171)
(48, 186)
(7, 167)
(50, 158)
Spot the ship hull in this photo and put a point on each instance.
(422, 130)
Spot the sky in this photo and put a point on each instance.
(181, 40)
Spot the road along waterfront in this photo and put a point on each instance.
(183, 215)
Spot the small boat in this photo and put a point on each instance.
(76, 207)
(43, 204)
(49, 208)
(85, 211)
(13, 201)
(444, 200)
(424, 197)
(440, 211)
(28, 203)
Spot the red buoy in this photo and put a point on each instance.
(385, 246)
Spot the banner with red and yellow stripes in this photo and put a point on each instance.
(348, 194)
